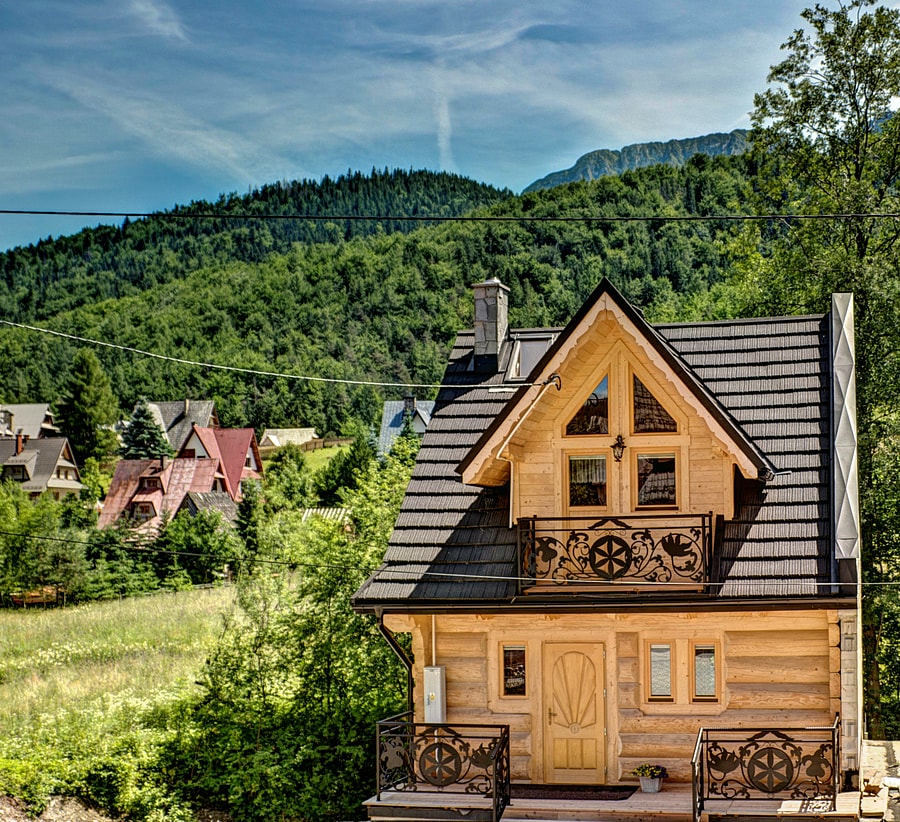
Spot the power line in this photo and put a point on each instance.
(234, 368)
(463, 218)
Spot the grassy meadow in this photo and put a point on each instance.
(87, 692)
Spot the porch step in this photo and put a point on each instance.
(672, 804)
(846, 810)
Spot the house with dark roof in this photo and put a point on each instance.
(395, 415)
(40, 466)
(623, 544)
(176, 418)
(33, 420)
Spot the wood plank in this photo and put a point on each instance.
(459, 644)
(787, 642)
(809, 697)
(771, 669)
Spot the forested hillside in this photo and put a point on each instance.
(360, 301)
(100, 263)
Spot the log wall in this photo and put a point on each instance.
(774, 670)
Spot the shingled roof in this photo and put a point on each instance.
(770, 378)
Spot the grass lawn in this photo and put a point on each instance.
(79, 671)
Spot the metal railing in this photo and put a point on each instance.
(644, 548)
(763, 763)
(444, 759)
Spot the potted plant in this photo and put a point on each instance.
(651, 777)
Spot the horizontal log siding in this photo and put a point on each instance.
(776, 670)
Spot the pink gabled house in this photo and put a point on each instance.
(211, 460)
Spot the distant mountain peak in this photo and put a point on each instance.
(672, 152)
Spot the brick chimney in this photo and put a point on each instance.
(491, 322)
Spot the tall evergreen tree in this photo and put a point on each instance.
(143, 439)
(88, 408)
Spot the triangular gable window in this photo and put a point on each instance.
(649, 416)
(593, 416)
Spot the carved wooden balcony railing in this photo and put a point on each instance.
(764, 763)
(441, 759)
(658, 550)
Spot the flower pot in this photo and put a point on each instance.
(651, 784)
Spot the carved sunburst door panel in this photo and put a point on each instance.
(573, 722)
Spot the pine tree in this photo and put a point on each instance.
(143, 439)
(88, 409)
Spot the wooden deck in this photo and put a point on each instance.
(672, 804)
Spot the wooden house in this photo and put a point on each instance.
(40, 466)
(628, 544)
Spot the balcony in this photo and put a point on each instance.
(459, 771)
(658, 551)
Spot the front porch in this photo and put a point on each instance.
(673, 804)
(461, 772)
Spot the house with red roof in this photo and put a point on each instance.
(211, 461)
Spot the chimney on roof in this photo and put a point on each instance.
(491, 322)
(21, 439)
(187, 406)
(409, 406)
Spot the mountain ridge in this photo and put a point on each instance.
(677, 152)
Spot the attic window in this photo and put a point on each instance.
(649, 415)
(151, 482)
(593, 416)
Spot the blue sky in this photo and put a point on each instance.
(136, 105)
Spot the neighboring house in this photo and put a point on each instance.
(212, 461)
(233, 449)
(394, 417)
(618, 534)
(145, 491)
(32, 420)
(42, 465)
(273, 438)
(177, 418)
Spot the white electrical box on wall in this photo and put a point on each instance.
(435, 694)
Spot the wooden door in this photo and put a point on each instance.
(573, 718)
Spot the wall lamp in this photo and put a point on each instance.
(618, 448)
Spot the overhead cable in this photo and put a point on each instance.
(463, 218)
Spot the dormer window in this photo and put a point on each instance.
(151, 482)
(143, 511)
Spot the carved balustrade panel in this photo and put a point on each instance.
(770, 763)
(438, 758)
(659, 549)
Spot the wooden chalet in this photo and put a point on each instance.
(628, 544)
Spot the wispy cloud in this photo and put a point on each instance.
(165, 128)
(158, 18)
